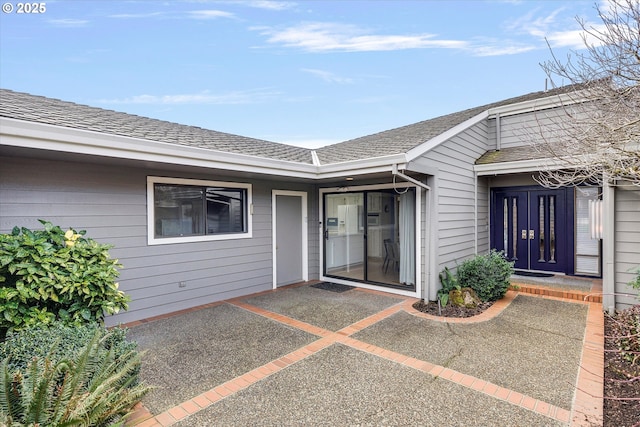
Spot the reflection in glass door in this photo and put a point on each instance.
(344, 235)
(370, 237)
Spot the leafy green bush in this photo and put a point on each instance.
(51, 274)
(488, 275)
(449, 283)
(93, 388)
(65, 340)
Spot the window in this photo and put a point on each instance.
(182, 210)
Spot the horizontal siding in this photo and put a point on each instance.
(110, 203)
(454, 160)
(627, 244)
(525, 129)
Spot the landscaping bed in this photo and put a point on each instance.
(450, 310)
(619, 413)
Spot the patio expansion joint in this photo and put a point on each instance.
(204, 400)
(473, 383)
(585, 402)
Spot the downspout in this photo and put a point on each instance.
(475, 212)
(608, 249)
(498, 133)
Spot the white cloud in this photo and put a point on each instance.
(230, 98)
(69, 23)
(137, 15)
(500, 49)
(210, 14)
(560, 31)
(271, 5)
(327, 37)
(328, 76)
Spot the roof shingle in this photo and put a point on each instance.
(23, 106)
(32, 108)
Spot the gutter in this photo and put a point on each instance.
(395, 172)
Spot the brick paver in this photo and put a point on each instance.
(588, 398)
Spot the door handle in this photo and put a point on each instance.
(524, 234)
(532, 234)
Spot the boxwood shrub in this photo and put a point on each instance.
(488, 275)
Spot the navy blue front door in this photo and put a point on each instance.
(533, 226)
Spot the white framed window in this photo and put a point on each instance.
(191, 210)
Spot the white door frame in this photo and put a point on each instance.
(305, 237)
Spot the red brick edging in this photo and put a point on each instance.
(586, 409)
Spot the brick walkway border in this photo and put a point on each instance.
(587, 407)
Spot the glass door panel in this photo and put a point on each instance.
(344, 235)
(511, 231)
(548, 220)
(370, 237)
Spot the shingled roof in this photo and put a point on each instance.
(23, 106)
(403, 139)
(32, 108)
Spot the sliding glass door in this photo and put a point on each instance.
(370, 237)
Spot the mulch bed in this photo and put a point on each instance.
(619, 413)
(431, 307)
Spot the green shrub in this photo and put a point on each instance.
(65, 340)
(449, 283)
(92, 388)
(488, 275)
(51, 274)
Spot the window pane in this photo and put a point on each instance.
(225, 210)
(552, 228)
(514, 226)
(505, 226)
(178, 210)
(541, 218)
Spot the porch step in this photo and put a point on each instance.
(594, 295)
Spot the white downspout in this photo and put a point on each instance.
(498, 133)
(608, 249)
(475, 212)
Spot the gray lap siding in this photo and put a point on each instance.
(110, 203)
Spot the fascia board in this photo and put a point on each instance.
(363, 163)
(429, 145)
(533, 165)
(19, 133)
(553, 101)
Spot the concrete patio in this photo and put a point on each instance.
(305, 356)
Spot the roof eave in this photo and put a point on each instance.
(429, 145)
(20, 133)
(552, 101)
(520, 166)
(25, 134)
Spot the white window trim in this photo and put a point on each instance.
(151, 238)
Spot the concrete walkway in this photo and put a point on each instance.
(305, 356)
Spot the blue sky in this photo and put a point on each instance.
(307, 73)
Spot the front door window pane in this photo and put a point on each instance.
(552, 228)
(541, 221)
